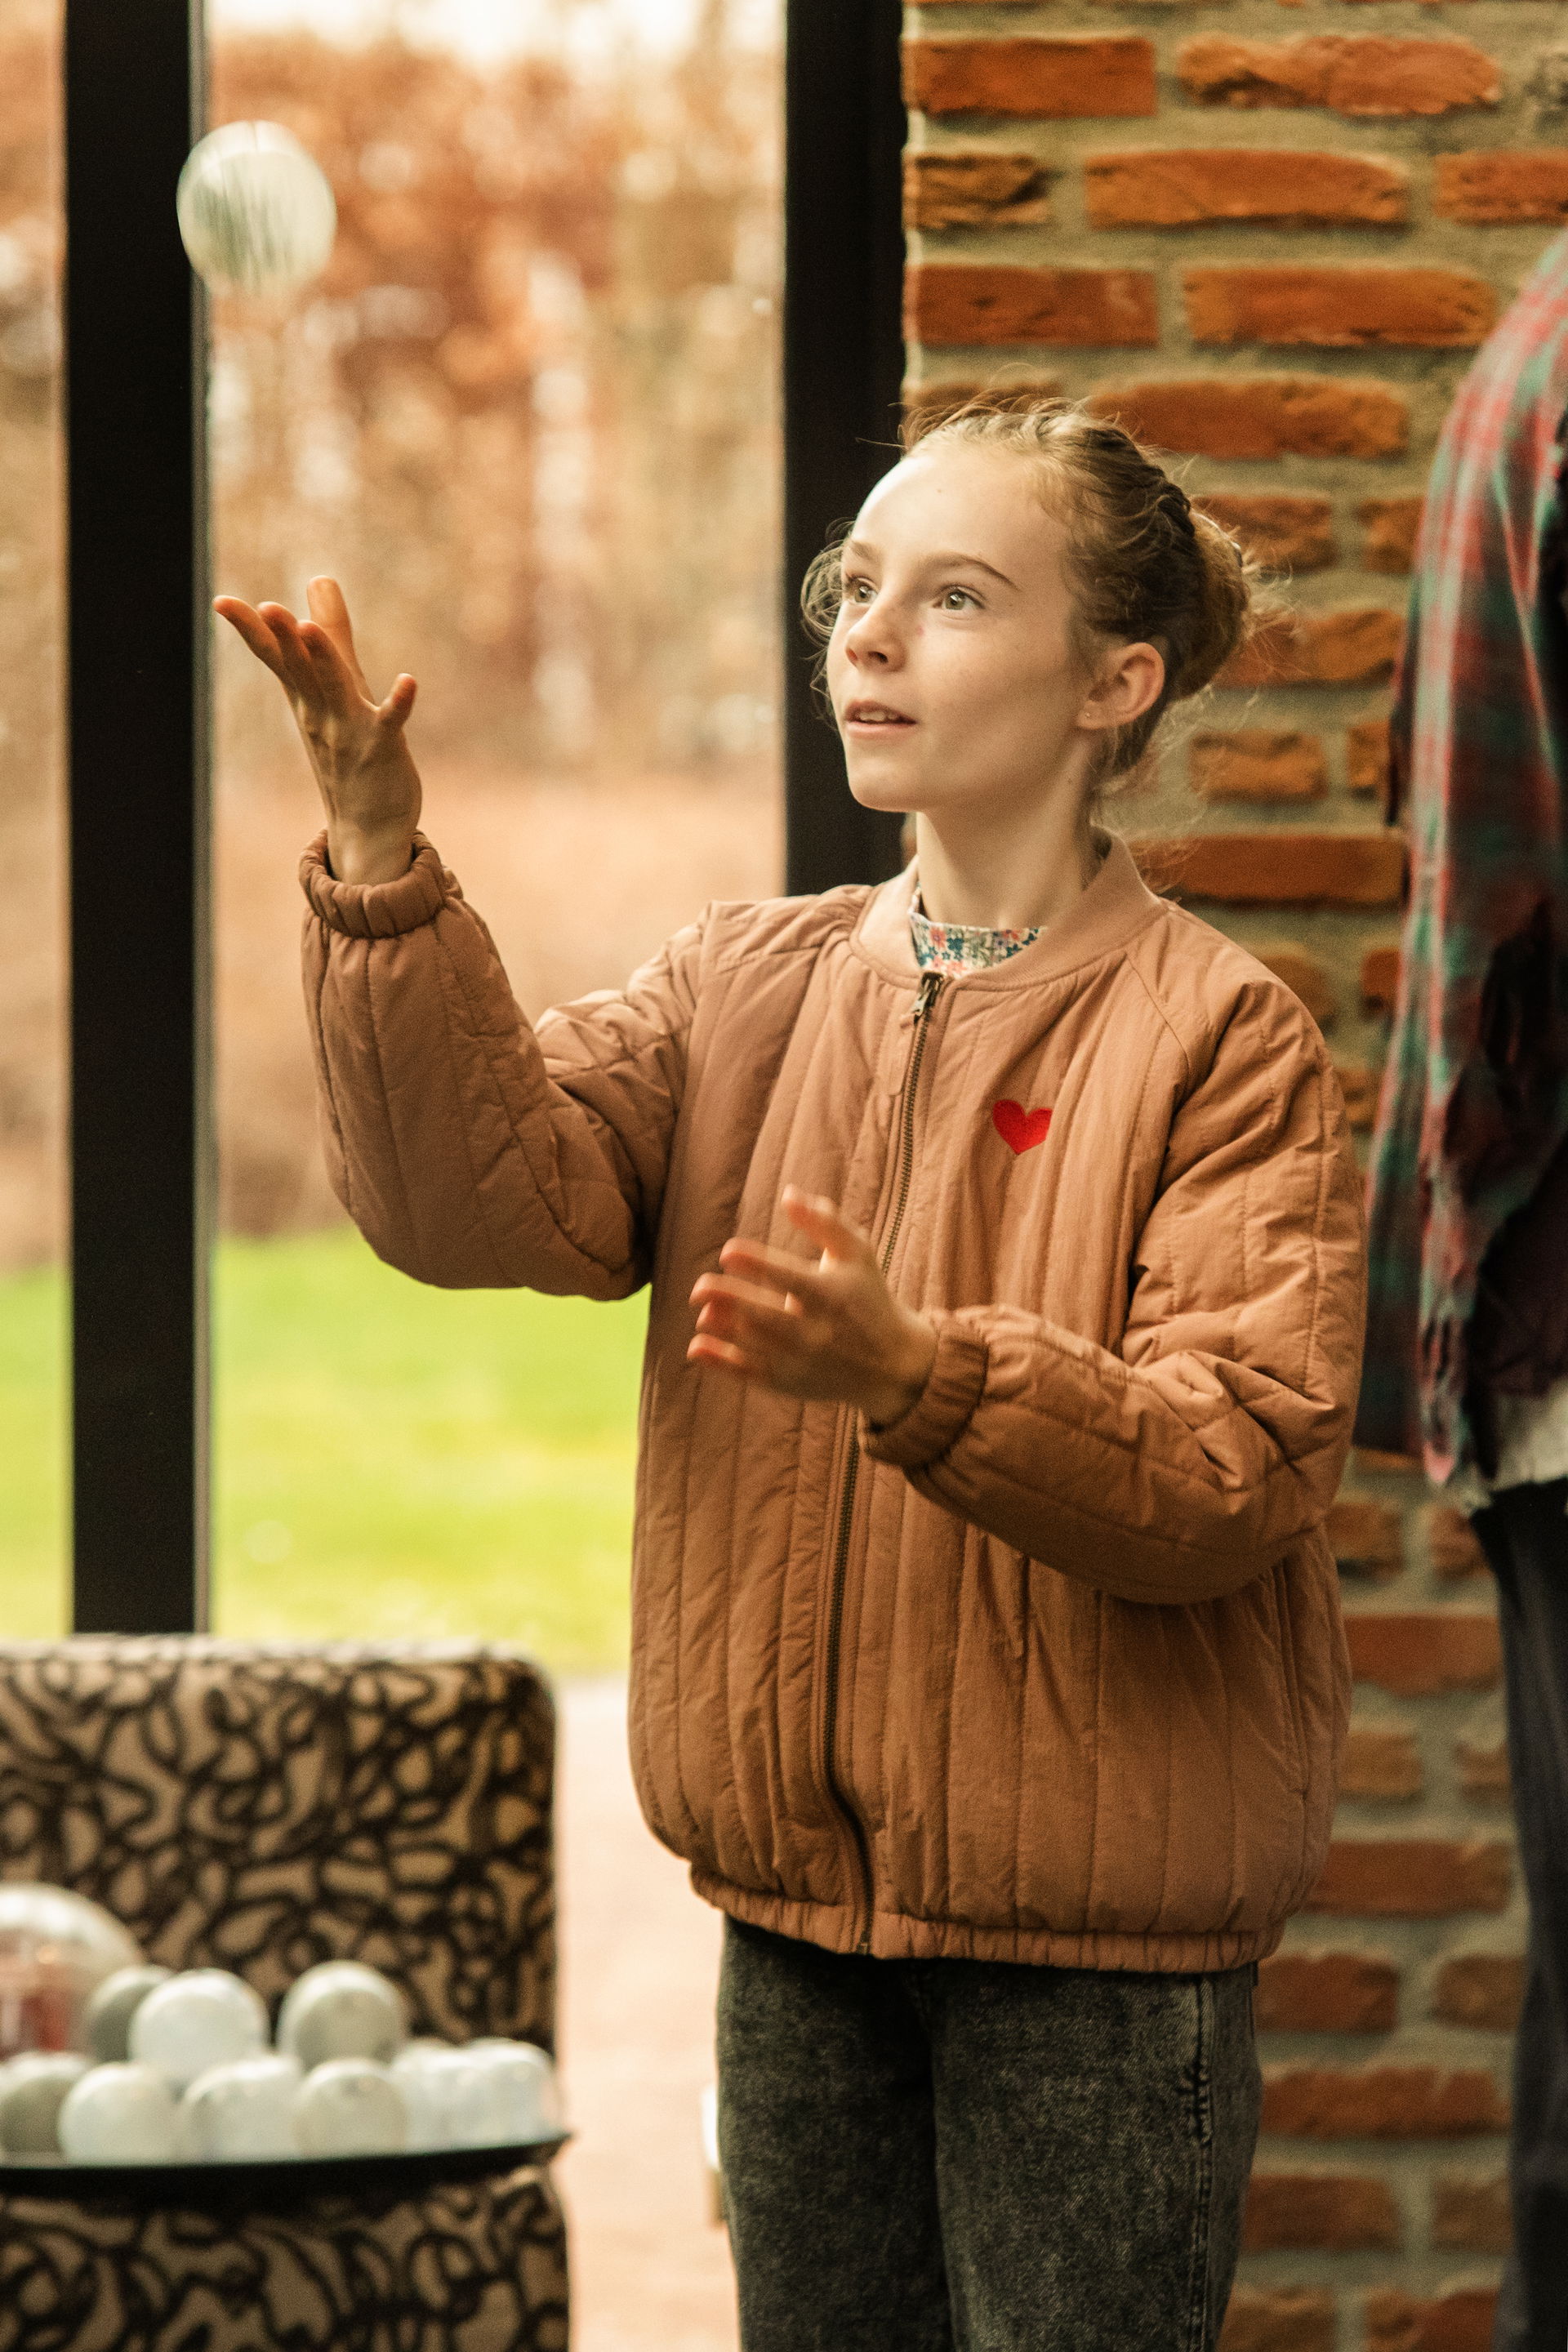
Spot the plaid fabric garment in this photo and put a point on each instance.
(1475, 1094)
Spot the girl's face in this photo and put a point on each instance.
(952, 668)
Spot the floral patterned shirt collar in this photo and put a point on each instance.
(962, 947)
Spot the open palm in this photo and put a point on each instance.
(369, 783)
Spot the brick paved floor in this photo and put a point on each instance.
(639, 1957)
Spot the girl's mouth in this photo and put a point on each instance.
(870, 715)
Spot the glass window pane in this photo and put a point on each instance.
(33, 1512)
(528, 418)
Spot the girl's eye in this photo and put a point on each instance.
(858, 592)
(959, 600)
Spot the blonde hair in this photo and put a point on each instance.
(1144, 565)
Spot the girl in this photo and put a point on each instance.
(1005, 1261)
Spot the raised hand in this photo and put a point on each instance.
(832, 1329)
(369, 783)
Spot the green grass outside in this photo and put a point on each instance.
(389, 1461)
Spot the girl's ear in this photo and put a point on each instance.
(1130, 681)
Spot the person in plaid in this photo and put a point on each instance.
(1467, 1341)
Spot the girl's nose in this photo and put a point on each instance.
(872, 641)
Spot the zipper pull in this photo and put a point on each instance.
(926, 995)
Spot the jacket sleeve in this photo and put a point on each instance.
(1190, 1460)
(470, 1150)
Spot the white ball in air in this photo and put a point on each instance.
(119, 2115)
(255, 211)
(32, 2091)
(341, 2009)
(202, 2018)
(242, 2113)
(112, 2008)
(351, 2106)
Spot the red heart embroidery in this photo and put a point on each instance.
(1019, 1128)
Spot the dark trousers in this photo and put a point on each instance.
(925, 2155)
(1525, 1534)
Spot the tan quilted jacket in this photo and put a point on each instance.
(1052, 1668)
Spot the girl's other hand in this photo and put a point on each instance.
(368, 784)
(829, 1330)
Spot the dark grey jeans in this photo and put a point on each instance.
(1525, 1534)
(925, 2155)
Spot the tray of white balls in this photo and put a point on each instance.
(181, 2095)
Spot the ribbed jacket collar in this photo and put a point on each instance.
(1117, 904)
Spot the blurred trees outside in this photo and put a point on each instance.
(528, 417)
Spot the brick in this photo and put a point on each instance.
(1418, 1654)
(1289, 2319)
(1484, 1989)
(1288, 187)
(1381, 2102)
(1056, 76)
(926, 404)
(983, 189)
(1366, 756)
(1256, 765)
(1460, 2321)
(1381, 1760)
(994, 302)
(1379, 979)
(1413, 1878)
(1278, 868)
(1305, 976)
(1281, 533)
(1359, 1085)
(1351, 73)
(1357, 644)
(1326, 1992)
(1499, 184)
(1453, 1546)
(1262, 417)
(1327, 2212)
(1390, 528)
(1483, 1768)
(1366, 1538)
(1341, 308)
(1472, 2216)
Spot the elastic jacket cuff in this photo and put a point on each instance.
(945, 1408)
(374, 911)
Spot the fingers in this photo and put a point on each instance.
(740, 1309)
(252, 629)
(317, 667)
(823, 1224)
(395, 710)
(723, 1355)
(296, 668)
(330, 611)
(775, 1269)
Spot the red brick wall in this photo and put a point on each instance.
(1268, 235)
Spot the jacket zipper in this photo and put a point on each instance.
(929, 991)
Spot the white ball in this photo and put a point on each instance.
(422, 2069)
(107, 2022)
(500, 2093)
(202, 2018)
(119, 2115)
(351, 2106)
(341, 2010)
(242, 2113)
(256, 213)
(32, 2091)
